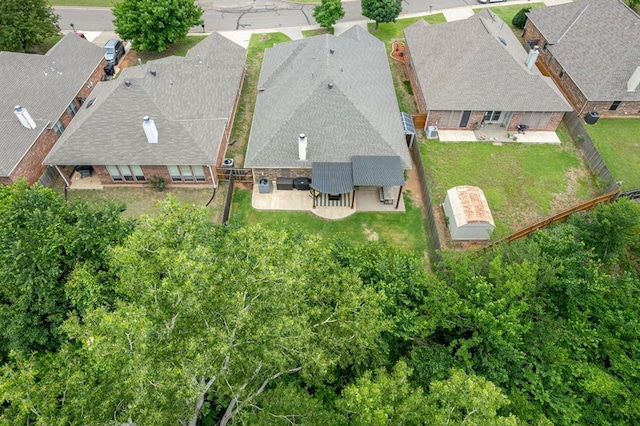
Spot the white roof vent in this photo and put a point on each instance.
(302, 147)
(150, 129)
(634, 81)
(24, 117)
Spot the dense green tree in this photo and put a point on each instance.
(520, 19)
(328, 12)
(41, 242)
(24, 24)
(381, 10)
(208, 318)
(155, 24)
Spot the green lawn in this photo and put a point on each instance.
(402, 229)
(506, 13)
(144, 200)
(394, 30)
(523, 183)
(319, 31)
(179, 48)
(47, 44)
(618, 141)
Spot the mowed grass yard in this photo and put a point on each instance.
(618, 141)
(144, 200)
(523, 183)
(404, 230)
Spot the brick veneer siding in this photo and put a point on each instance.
(272, 174)
(149, 171)
(415, 83)
(434, 118)
(574, 95)
(30, 166)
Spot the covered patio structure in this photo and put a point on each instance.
(335, 184)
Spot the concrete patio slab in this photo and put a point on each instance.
(456, 135)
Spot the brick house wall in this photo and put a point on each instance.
(549, 66)
(149, 171)
(415, 83)
(434, 118)
(272, 174)
(30, 166)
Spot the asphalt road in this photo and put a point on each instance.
(225, 15)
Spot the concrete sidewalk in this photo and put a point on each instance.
(242, 37)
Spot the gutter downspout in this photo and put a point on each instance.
(215, 185)
(67, 184)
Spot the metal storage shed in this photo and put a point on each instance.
(468, 214)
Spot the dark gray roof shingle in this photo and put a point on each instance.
(597, 42)
(466, 65)
(377, 171)
(43, 84)
(336, 90)
(190, 99)
(332, 178)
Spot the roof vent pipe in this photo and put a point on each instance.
(150, 129)
(302, 147)
(532, 58)
(153, 72)
(127, 83)
(330, 85)
(24, 117)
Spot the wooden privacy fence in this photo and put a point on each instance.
(589, 151)
(227, 201)
(587, 205)
(239, 175)
(434, 238)
(419, 120)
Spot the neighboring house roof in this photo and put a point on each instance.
(338, 91)
(43, 84)
(478, 64)
(190, 99)
(469, 205)
(597, 42)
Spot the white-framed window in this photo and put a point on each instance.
(186, 173)
(58, 128)
(73, 109)
(126, 173)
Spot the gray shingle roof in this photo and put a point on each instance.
(377, 171)
(190, 100)
(358, 115)
(465, 65)
(43, 84)
(597, 42)
(332, 178)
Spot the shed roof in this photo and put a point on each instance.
(190, 100)
(478, 64)
(597, 43)
(43, 84)
(469, 205)
(337, 90)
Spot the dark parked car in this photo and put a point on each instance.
(113, 51)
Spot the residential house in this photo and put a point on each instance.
(326, 111)
(591, 49)
(473, 72)
(39, 96)
(168, 119)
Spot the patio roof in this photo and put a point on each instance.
(332, 178)
(377, 171)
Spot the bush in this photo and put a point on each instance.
(520, 18)
(157, 183)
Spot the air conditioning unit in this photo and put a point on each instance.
(227, 162)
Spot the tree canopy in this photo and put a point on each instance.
(328, 12)
(155, 24)
(183, 321)
(25, 24)
(381, 10)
